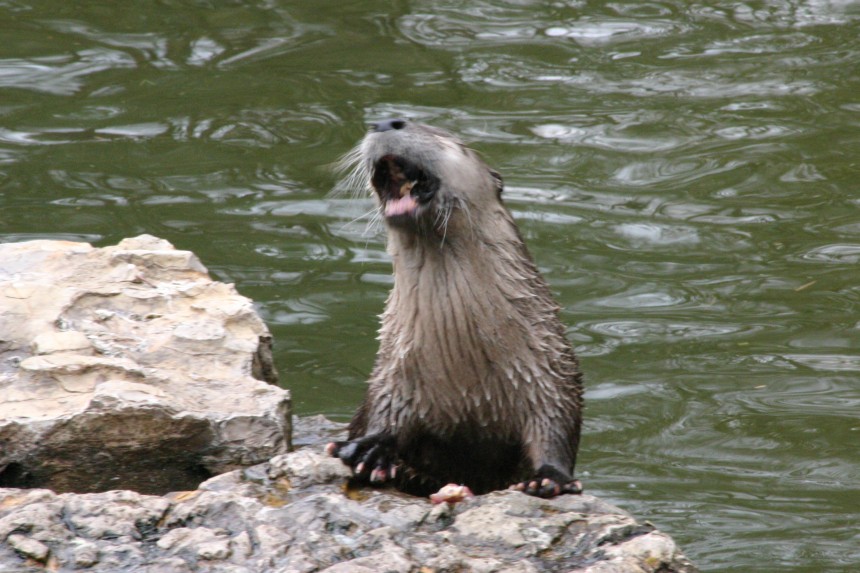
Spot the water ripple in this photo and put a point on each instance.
(827, 362)
(657, 234)
(242, 46)
(296, 311)
(642, 300)
(664, 331)
(835, 254)
(589, 32)
(760, 44)
(60, 74)
(487, 23)
(674, 172)
(607, 137)
(309, 125)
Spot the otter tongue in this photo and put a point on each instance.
(401, 206)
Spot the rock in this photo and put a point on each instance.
(127, 367)
(28, 547)
(292, 514)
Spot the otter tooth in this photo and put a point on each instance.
(406, 188)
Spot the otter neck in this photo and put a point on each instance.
(464, 321)
(463, 272)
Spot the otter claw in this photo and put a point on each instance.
(370, 457)
(573, 487)
(342, 450)
(549, 482)
(378, 475)
(545, 488)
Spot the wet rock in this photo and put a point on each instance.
(292, 514)
(127, 367)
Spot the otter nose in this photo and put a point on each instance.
(388, 125)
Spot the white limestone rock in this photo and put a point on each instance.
(128, 367)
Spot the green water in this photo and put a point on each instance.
(687, 176)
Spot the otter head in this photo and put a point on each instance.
(428, 183)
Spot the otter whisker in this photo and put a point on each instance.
(356, 180)
(464, 206)
(441, 214)
(372, 215)
(445, 220)
(374, 224)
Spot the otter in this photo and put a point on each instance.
(474, 382)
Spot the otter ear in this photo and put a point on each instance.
(500, 184)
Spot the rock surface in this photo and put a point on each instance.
(127, 367)
(292, 515)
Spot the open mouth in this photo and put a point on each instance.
(402, 186)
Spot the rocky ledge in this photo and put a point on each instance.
(128, 367)
(293, 515)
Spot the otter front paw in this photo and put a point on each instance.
(547, 482)
(373, 458)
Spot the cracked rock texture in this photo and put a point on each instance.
(292, 515)
(128, 367)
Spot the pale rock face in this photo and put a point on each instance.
(293, 514)
(128, 367)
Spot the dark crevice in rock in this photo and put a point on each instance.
(263, 367)
(622, 534)
(15, 475)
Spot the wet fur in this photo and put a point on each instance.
(474, 381)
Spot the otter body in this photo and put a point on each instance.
(474, 382)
